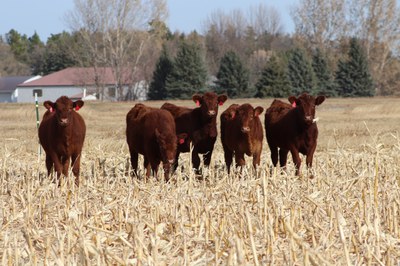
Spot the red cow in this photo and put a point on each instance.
(151, 132)
(61, 134)
(292, 127)
(241, 133)
(200, 124)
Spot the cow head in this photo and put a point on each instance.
(246, 116)
(63, 109)
(209, 102)
(168, 143)
(305, 104)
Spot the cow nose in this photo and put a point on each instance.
(171, 161)
(211, 112)
(309, 118)
(245, 129)
(64, 120)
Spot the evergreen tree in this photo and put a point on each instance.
(353, 78)
(233, 77)
(324, 81)
(300, 72)
(188, 75)
(157, 89)
(19, 45)
(58, 53)
(273, 81)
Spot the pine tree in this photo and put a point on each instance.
(157, 88)
(233, 77)
(324, 80)
(300, 72)
(273, 81)
(188, 75)
(19, 45)
(353, 78)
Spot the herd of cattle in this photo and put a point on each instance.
(161, 134)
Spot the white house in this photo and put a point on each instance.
(73, 82)
(8, 85)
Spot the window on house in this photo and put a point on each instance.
(111, 92)
(39, 93)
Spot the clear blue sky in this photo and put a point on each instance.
(47, 17)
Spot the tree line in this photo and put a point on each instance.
(344, 48)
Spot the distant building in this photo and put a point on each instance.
(74, 82)
(8, 85)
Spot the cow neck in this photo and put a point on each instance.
(209, 122)
(249, 138)
(299, 119)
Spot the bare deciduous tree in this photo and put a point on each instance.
(115, 33)
(320, 21)
(264, 19)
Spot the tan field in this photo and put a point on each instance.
(349, 214)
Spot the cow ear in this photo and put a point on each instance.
(320, 99)
(181, 138)
(221, 99)
(49, 105)
(197, 99)
(258, 110)
(78, 104)
(232, 114)
(292, 99)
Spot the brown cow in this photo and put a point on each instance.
(61, 134)
(292, 128)
(151, 132)
(200, 124)
(241, 133)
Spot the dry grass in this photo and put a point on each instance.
(349, 214)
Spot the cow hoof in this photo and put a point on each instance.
(311, 176)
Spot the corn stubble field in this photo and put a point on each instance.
(348, 214)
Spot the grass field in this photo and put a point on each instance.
(349, 214)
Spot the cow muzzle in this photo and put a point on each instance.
(245, 129)
(309, 119)
(63, 121)
(211, 113)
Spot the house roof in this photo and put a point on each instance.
(75, 76)
(8, 84)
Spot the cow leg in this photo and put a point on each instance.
(283, 157)
(228, 154)
(274, 155)
(175, 163)
(147, 166)
(196, 160)
(296, 160)
(76, 162)
(58, 167)
(65, 165)
(134, 162)
(167, 171)
(207, 158)
(239, 159)
(154, 168)
(49, 164)
(256, 159)
(309, 160)
(310, 155)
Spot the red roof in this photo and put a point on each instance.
(75, 76)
